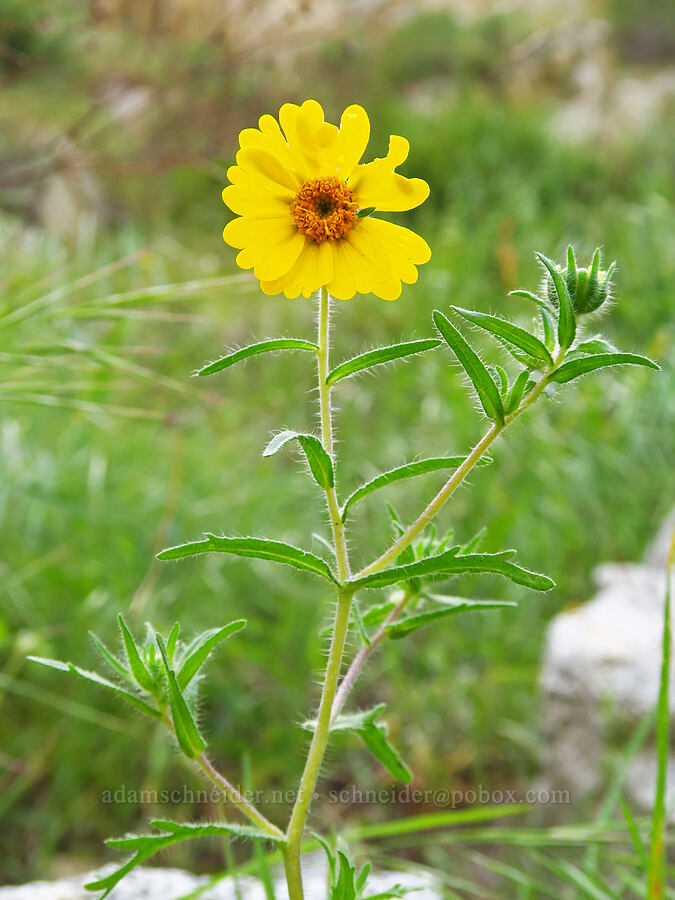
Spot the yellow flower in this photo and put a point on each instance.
(298, 194)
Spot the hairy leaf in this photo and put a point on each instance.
(404, 627)
(144, 846)
(507, 331)
(253, 349)
(374, 734)
(515, 395)
(197, 651)
(379, 356)
(258, 548)
(112, 660)
(573, 368)
(189, 739)
(138, 668)
(449, 563)
(409, 470)
(474, 367)
(94, 677)
(567, 320)
(319, 461)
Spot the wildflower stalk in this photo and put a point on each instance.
(230, 791)
(448, 489)
(364, 654)
(236, 798)
(292, 848)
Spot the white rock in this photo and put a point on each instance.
(173, 884)
(600, 676)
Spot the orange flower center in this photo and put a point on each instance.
(324, 209)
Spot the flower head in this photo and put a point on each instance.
(304, 201)
(589, 286)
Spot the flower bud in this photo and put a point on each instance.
(589, 287)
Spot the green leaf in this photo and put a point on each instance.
(449, 563)
(94, 677)
(404, 627)
(573, 368)
(172, 640)
(595, 345)
(548, 328)
(507, 331)
(503, 379)
(408, 470)
(196, 653)
(253, 349)
(112, 660)
(567, 320)
(374, 734)
(136, 664)
(481, 379)
(258, 548)
(379, 356)
(189, 739)
(520, 292)
(144, 846)
(319, 461)
(515, 395)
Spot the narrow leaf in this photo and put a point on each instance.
(516, 393)
(136, 664)
(319, 461)
(379, 356)
(547, 328)
(199, 649)
(573, 368)
(409, 470)
(146, 845)
(449, 563)
(172, 640)
(94, 677)
(481, 379)
(253, 349)
(374, 734)
(112, 661)
(189, 739)
(567, 320)
(507, 331)
(403, 628)
(595, 345)
(258, 548)
(520, 292)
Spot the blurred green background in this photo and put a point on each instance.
(117, 124)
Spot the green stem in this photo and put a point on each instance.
(323, 357)
(455, 480)
(657, 856)
(317, 749)
(310, 775)
(364, 654)
(237, 798)
(231, 792)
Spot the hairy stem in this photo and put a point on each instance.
(319, 742)
(317, 748)
(363, 656)
(323, 358)
(237, 798)
(455, 479)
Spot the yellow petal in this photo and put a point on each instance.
(313, 269)
(256, 204)
(376, 184)
(263, 165)
(352, 140)
(402, 243)
(271, 245)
